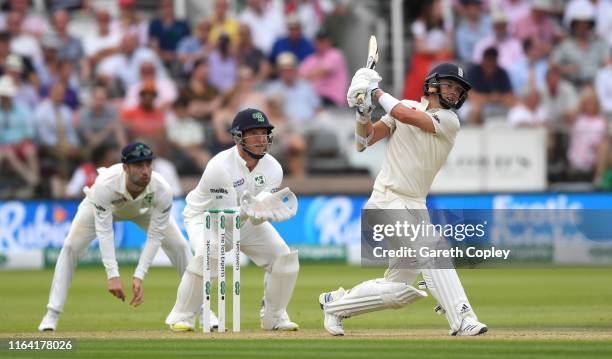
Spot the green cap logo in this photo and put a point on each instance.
(259, 117)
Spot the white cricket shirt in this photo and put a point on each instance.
(413, 156)
(225, 179)
(113, 202)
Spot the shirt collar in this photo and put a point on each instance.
(237, 157)
(424, 103)
(123, 186)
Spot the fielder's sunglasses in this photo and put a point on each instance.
(139, 151)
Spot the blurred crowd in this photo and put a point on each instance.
(71, 95)
(532, 63)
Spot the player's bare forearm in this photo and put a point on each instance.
(409, 116)
(378, 130)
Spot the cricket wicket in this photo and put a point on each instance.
(222, 215)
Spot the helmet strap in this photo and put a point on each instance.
(245, 148)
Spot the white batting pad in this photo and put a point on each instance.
(445, 286)
(373, 295)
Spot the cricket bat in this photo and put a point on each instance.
(360, 126)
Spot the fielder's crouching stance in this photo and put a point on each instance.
(123, 192)
(421, 135)
(246, 176)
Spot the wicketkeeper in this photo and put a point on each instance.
(130, 191)
(421, 135)
(243, 176)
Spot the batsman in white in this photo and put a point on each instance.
(421, 135)
(246, 176)
(130, 191)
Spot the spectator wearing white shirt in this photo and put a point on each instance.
(266, 23)
(187, 138)
(100, 44)
(529, 111)
(124, 65)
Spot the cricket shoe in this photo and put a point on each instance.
(276, 322)
(214, 321)
(280, 322)
(470, 328)
(332, 322)
(184, 325)
(49, 321)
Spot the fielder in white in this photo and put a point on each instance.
(123, 192)
(421, 135)
(246, 176)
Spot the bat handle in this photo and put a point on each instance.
(360, 99)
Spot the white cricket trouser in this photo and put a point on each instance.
(443, 284)
(83, 232)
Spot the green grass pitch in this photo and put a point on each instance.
(531, 313)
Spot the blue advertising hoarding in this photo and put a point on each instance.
(321, 220)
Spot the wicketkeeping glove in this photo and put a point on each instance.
(266, 206)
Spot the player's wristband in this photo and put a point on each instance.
(388, 102)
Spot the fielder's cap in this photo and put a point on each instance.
(7, 86)
(286, 59)
(136, 152)
(249, 119)
(14, 63)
